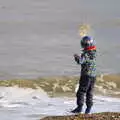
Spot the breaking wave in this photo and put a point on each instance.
(108, 85)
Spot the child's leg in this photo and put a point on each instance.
(89, 94)
(84, 84)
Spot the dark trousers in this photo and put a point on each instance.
(86, 86)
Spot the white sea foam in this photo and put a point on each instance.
(16, 97)
(34, 104)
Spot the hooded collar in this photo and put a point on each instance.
(90, 48)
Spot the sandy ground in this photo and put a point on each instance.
(97, 116)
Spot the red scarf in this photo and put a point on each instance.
(90, 48)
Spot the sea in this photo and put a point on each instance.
(38, 39)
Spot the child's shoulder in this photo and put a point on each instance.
(89, 54)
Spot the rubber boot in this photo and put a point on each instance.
(77, 110)
(88, 109)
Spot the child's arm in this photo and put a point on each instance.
(79, 59)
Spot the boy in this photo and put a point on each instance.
(88, 74)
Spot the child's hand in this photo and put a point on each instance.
(76, 57)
